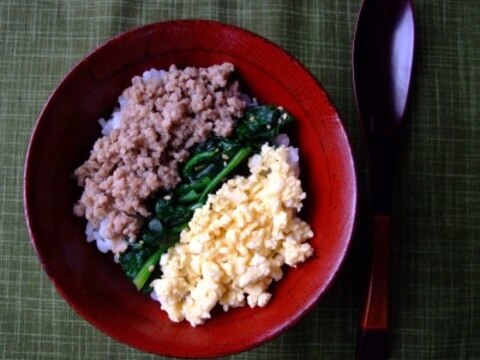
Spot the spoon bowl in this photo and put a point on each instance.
(382, 64)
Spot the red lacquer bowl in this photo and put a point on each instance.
(67, 128)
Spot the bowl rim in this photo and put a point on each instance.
(352, 201)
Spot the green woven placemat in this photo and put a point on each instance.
(436, 249)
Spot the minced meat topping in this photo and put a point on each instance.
(161, 115)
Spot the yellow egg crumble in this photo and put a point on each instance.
(237, 242)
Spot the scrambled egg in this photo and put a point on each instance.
(238, 241)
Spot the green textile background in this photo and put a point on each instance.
(436, 247)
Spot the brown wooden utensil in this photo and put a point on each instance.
(382, 63)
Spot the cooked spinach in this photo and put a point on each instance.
(209, 164)
(261, 124)
(170, 212)
(151, 263)
(134, 257)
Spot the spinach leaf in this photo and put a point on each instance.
(172, 215)
(261, 124)
(134, 257)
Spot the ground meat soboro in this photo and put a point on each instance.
(161, 116)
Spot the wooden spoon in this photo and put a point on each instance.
(382, 66)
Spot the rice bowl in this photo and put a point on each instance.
(97, 289)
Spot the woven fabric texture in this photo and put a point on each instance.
(436, 239)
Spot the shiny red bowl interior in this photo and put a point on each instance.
(67, 128)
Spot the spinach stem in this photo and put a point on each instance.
(188, 197)
(178, 229)
(236, 160)
(197, 159)
(144, 273)
(198, 185)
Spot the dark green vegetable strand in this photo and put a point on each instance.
(147, 268)
(197, 160)
(237, 159)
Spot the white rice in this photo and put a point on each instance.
(103, 243)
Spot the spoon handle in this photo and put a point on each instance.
(374, 337)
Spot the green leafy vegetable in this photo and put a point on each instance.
(262, 123)
(192, 195)
(133, 258)
(240, 156)
(197, 161)
(170, 213)
(147, 268)
(196, 186)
